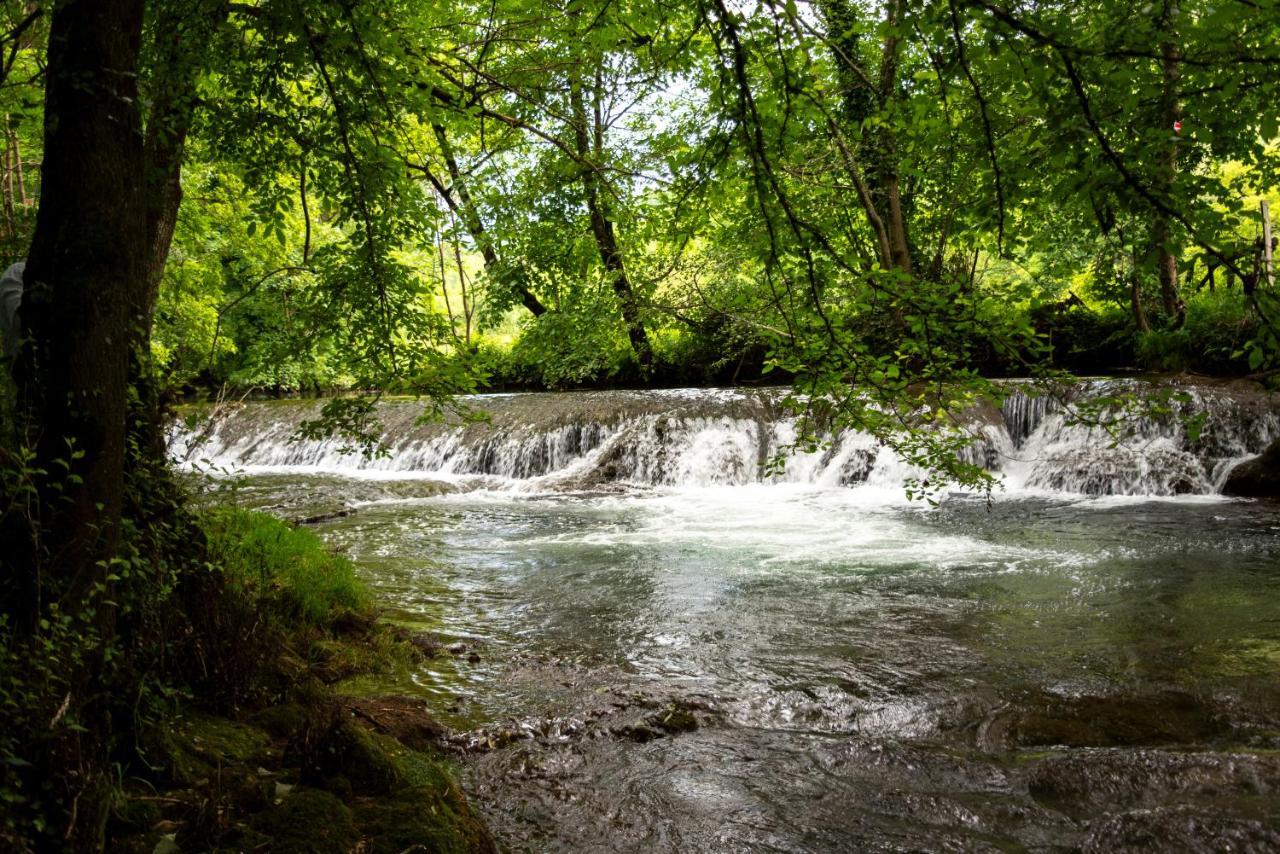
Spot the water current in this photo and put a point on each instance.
(660, 645)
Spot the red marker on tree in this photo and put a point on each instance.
(1177, 127)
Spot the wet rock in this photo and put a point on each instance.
(1258, 477)
(1122, 471)
(405, 719)
(857, 468)
(1082, 782)
(672, 720)
(1162, 719)
(1178, 829)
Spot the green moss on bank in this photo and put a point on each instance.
(264, 755)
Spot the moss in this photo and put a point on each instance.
(429, 810)
(200, 744)
(676, 719)
(307, 821)
(426, 818)
(135, 816)
(346, 750)
(283, 721)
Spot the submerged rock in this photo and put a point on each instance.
(1258, 477)
(1167, 718)
(1082, 782)
(672, 720)
(1178, 829)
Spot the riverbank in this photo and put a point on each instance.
(262, 750)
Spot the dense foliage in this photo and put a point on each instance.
(430, 195)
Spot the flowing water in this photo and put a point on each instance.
(662, 644)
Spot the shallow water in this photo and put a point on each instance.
(866, 674)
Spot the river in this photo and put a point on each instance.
(660, 644)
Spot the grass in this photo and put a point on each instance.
(289, 567)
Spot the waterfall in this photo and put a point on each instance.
(1033, 442)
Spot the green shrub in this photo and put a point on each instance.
(1164, 350)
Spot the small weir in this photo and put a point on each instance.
(1035, 441)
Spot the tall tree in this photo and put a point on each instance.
(85, 279)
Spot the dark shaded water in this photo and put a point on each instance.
(1049, 674)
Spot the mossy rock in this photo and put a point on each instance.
(423, 818)
(346, 750)
(429, 814)
(284, 721)
(309, 821)
(405, 719)
(200, 744)
(133, 817)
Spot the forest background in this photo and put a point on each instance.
(515, 194)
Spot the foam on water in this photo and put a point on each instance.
(1035, 443)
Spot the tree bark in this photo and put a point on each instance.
(465, 207)
(602, 227)
(1135, 295)
(886, 155)
(83, 277)
(860, 97)
(1162, 236)
(184, 34)
(84, 271)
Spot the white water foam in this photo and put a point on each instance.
(694, 439)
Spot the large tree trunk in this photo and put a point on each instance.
(83, 278)
(602, 228)
(459, 199)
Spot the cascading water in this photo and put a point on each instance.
(1035, 442)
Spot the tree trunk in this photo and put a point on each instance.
(860, 98)
(84, 271)
(84, 274)
(1135, 295)
(857, 102)
(184, 34)
(602, 228)
(1162, 231)
(886, 155)
(465, 207)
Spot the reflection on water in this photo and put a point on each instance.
(867, 675)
